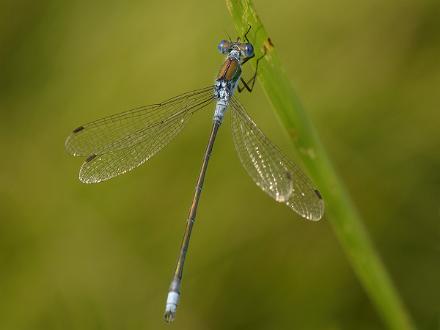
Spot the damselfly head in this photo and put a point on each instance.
(224, 46)
(245, 49)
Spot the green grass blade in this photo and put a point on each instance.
(340, 210)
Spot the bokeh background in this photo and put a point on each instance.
(75, 256)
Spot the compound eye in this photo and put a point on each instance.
(248, 50)
(223, 46)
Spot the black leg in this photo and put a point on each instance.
(247, 59)
(245, 86)
(239, 89)
(245, 35)
(249, 85)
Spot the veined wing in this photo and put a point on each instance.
(122, 129)
(121, 142)
(272, 171)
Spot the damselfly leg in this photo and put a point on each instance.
(249, 85)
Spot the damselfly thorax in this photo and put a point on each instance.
(230, 73)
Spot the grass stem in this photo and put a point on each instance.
(340, 210)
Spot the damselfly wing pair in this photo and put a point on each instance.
(118, 143)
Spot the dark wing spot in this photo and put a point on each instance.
(318, 194)
(90, 158)
(78, 129)
(289, 176)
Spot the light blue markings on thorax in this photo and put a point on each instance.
(234, 54)
(223, 91)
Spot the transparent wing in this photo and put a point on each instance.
(121, 142)
(124, 129)
(272, 171)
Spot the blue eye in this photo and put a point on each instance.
(223, 46)
(249, 50)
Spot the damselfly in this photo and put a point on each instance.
(119, 143)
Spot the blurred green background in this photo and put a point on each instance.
(75, 256)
